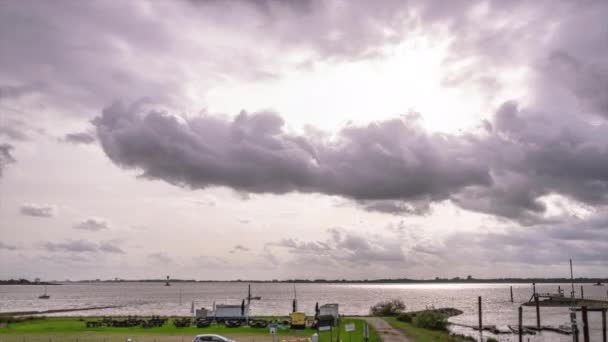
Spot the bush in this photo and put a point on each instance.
(460, 338)
(491, 339)
(405, 317)
(391, 307)
(431, 320)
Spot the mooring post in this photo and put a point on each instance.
(573, 324)
(521, 325)
(511, 294)
(604, 325)
(582, 293)
(585, 324)
(537, 311)
(533, 288)
(480, 314)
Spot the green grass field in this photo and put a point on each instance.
(70, 329)
(423, 335)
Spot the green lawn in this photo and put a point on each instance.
(423, 335)
(73, 329)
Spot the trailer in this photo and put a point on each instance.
(225, 312)
(328, 315)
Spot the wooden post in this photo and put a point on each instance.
(582, 293)
(585, 324)
(480, 314)
(511, 294)
(604, 325)
(533, 288)
(537, 311)
(521, 325)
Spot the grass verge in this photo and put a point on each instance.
(74, 329)
(424, 335)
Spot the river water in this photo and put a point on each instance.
(354, 299)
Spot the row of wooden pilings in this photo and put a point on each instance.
(584, 313)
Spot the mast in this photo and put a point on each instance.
(572, 283)
(295, 299)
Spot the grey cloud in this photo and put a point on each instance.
(76, 246)
(92, 224)
(5, 156)
(254, 153)
(83, 246)
(344, 248)
(110, 247)
(583, 240)
(80, 138)
(14, 129)
(160, 257)
(15, 91)
(38, 210)
(7, 247)
(239, 248)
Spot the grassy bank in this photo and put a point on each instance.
(424, 335)
(55, 329)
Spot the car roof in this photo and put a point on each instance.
(210, 335)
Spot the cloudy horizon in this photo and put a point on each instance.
(307, 139)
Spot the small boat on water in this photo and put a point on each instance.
(45, 295)
(599, 283)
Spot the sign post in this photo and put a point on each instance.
(273, 331)
(349, 328)
(365, 332)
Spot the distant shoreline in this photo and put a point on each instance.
(25, 282)
(334, 281)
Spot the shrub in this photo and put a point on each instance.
(491, 339)
(405, 317)
(391, 307)
(460, 338)
(430, 320)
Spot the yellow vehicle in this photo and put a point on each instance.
(297, 320)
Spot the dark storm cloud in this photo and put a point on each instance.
(394, 159)
(83, 246)
(80, 138)
(533, 155)
(391, 166)
(5, 156)
(92, 224)
(37, 210)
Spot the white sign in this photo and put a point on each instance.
(325, 328)
(349, 327)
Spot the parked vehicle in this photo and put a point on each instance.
(211, 338)
(297, 320)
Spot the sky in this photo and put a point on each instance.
(334, 139)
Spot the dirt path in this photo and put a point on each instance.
(386, 331)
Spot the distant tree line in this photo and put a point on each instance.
(23, 282)
(468, 279)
